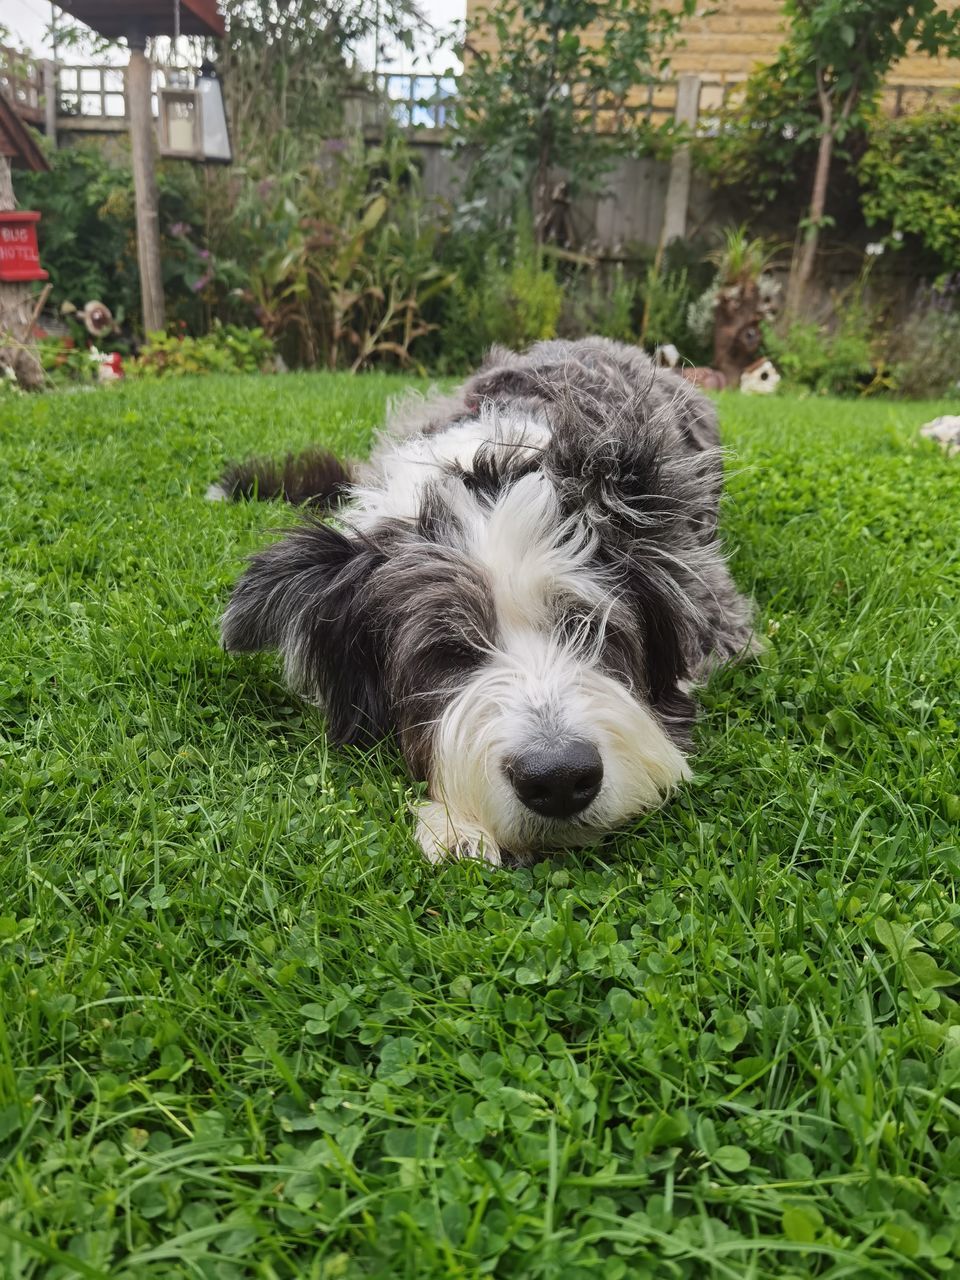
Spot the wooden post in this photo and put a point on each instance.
(145, 184)
(678, 187)
(50, 100)
(17, 348)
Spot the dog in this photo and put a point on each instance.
(522, 586)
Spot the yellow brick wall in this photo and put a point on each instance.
(729, 43)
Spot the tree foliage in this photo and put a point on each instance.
(825, 83)
(287, 63)
(911, 181)
(88, 233)
(558, 87)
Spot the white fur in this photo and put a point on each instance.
(536, 691)
(393, 485)
(531, 554)
(537, 686)
(444, 838)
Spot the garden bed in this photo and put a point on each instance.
(248, 1032)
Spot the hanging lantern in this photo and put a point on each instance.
(137, 21)
(179, 118)
(213, 118)
(193, 122)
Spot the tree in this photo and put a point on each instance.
(286, 65)
(838, 54)
(910, 180)
(558, 89)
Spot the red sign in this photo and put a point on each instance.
(19, 256)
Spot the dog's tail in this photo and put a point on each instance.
(311, 478)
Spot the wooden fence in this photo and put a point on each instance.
(21, 79)
(93, 98)
(645, 200)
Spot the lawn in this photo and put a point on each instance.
(247, 1032)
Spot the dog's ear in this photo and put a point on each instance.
(308, 597)
(661, 659)
(663, 637)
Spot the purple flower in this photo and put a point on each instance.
(204, 254)
(180, 229)
(202, 283)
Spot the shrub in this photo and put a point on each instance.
(88, 239)
(336, 258)
(515, 305)
(925, 351)
(925, 356)
(524, 304)
(830, 363)
(502, 291)
(670, 300)
(225, 349)
(666, 301)
(668, 295)
(911, 180)
(597, 304)
(64, 361)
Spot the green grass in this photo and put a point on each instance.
(247, 1032)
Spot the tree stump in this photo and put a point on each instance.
(736, 331)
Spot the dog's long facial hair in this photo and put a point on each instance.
(522, 594)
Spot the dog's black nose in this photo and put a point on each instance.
(557, 781)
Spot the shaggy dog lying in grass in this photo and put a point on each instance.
(522, 584)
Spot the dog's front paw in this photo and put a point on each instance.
(442, 836)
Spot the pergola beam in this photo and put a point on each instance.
(112, 18)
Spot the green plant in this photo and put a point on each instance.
(599, 303)
(65, 361)
(822, 87)
(88, 232)
(524, 305)
(838, 362)
(744, 294)
(666, 300)
(288, 68)
(225, 349)
(511, 296)
(9, 386)
(924, 351)
(740, 257)
(514, 305)
(340, 257)
(924, 356)
(537, 76)
(910, 180)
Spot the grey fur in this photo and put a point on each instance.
(313, 478)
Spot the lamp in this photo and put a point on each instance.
(180, 119)
(213, 118)
(193, 122)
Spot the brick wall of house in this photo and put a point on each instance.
(729, 43)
